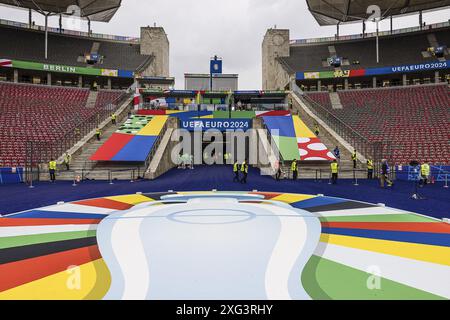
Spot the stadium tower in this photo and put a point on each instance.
(367, 90)
(86, 77)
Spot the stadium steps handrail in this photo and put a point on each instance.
(352, 138)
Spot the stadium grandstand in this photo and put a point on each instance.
(305, 184)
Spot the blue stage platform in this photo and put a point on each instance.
(19, 197)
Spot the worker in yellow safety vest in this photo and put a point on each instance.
(113, 118)
(334, 171)
(369, 169)
(354, 159)
(294, 169)
(425, 171)
(98, 133)
(225, 157)
(316, 130)
(236, 171)
(244, 170)
(52, 170)
(67, 159)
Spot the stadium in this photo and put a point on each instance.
(328, 182)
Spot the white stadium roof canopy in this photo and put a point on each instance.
(332, 12)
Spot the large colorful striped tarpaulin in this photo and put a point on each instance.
(295, 140)
(133, 142)
(358, 250)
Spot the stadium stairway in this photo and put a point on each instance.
(92, 99)
(161, 161)
(331, 140)
(81, 152)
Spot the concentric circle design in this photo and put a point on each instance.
(222, 245)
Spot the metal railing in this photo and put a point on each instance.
(22, 25)
(373, 150)
(370, 35)
(39, 152)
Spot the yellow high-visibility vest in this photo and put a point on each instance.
(244, 167)
(52, 165)
(425, 169)
(369, 164)
(236, 167)
(334, 167)
(294, 166)
(113, 116)
(98, 131)
(354, 156)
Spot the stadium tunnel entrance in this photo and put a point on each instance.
(217, 148)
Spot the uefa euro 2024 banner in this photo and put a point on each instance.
(426, 66)
(216, 124)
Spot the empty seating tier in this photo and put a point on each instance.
(42, 114)
(413, 121)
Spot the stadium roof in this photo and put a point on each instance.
(332, 12)
(95, 10)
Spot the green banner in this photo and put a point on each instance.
(55, 68)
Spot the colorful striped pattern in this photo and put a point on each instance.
(133, 142)
(295, 140)
(365, 251)
(215, 114)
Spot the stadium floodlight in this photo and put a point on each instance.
(91, 10)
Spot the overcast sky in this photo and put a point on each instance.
(232, 29)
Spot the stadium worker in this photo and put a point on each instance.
(52, 170)
(294, 169)
(244, 170)
(236, 171)
(98, 133)
(425, 171)
(316, 130)
(354, 159)
(369, 169)
(67, 160)
(384, 176)
(337, 153)
(334, 172)
(278, 170)
(113, 118)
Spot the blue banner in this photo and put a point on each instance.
(216, 67)
(11, 175)
(435, 65)
(125, 74)
(217, 124)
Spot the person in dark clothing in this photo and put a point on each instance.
(384, 176)
(98, 133)
(354, 159)
(236, 171)
(294, 169)
(244, 170)
(334, 172)
(278, 169)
